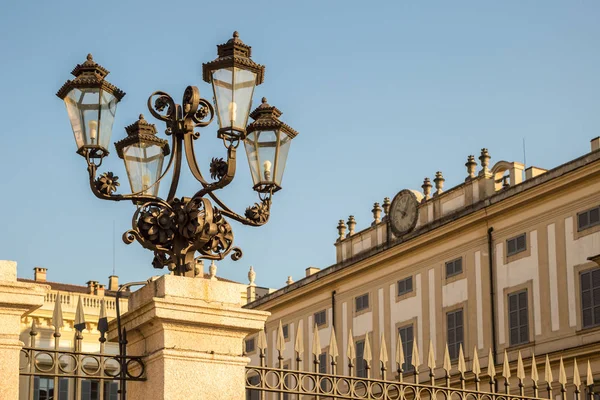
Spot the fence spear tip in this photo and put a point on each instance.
(506, 366)
(476, 367)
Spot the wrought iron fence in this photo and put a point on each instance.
(56, 373)
(449, 383)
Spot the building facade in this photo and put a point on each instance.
(506, 261)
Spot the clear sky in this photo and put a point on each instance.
(382, 93)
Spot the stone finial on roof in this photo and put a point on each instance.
(471, 166)
(251, 276)
(484, 158)
(376, 214)
(351, 225)
(212, 271)
(341, 230)
(386, 206)
(439, 183)
(289, 280)
(426, 186)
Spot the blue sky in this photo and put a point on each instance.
(382, 93)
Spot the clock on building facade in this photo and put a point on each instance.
(404, 212)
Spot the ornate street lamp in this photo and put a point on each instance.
(91, 104)
(183, 230)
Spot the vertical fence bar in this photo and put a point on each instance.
(77, 386)
(56, 362)
(102, 373)
(31, 354)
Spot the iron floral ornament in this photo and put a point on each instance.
(183, 230)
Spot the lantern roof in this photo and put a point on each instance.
(266, 117)
(90, 74)
(141, 131)
(234, 53)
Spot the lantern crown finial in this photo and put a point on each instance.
(141, 130)
(90, 74)
(233, 54)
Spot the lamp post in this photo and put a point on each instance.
(181, 231)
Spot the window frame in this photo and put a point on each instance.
(324, 322)
(454, 347)
(404, 281)
(521, 340)
(407, 366)
(453, 263)
(251, 340)
(589, 224)
(362, 371)
(286, 331)
(517, 250)
(592, 307)
(363, 307)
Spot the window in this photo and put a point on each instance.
(588, 218)
(407, 338)
(361, 371)
(323, 363)
(590, 298)
(454, 324)
(250, 345)
(453, 267)
(405, 286)
(43, 389)
(518, 318)
(286, 331)
(90, 390)
(362, 302)
(325, 385)
(516, 245)
(320, 318)
(253, 394)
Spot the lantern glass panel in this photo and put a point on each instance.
(92, 113)
(261, 148)
(233, 89)
(284, 148)
(143, 162)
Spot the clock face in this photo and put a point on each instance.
(404, 212)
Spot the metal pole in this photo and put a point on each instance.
(123, 340)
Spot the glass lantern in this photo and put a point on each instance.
(267, 145)
(143, 154)
(91, 103)
(233, 76)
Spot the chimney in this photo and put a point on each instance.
(39, 274)
(92, 286)
(312, 270)
(595, 143)
(100, 290)
(113, 283)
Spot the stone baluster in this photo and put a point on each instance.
(351, 225)
(439, 183)
(426, 186)
(471, 166)
(376, 214)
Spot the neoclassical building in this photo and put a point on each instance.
(505, 261)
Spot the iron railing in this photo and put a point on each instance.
(446, 383)
(69, 374)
